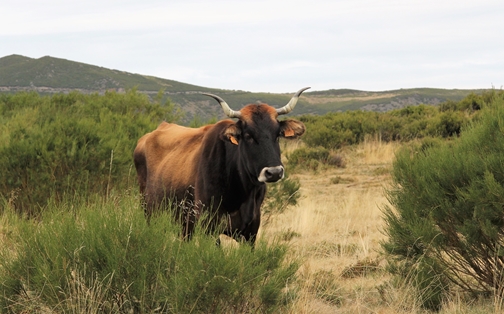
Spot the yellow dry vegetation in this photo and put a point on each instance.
(312, 99)
(335, 231)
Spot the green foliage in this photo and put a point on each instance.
(446, 222)
(70, 142)
(91, 250)
(198, 121)
(280, 195)
(305, 155)
(334, 130)
(104, 258)
(337, 129)
(313, 158)
(471, 103)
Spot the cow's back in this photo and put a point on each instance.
(166, 160)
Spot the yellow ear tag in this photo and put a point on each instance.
(233, 140)
(289, 132)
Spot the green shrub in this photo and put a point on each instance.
(335, 130)
(197, 121)
(472, 102)
(64, 144)
(429, 142)
(280, 195)
(313, 158)
(338, 129)
(105, 258)
(446, 223)
(447, 124)
(449, 105)
(303, 156)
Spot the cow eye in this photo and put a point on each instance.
(248, 137)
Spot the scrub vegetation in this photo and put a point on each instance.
(82, 257)
(381, 212)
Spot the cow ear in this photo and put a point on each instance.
(292, 128)
(231, 134)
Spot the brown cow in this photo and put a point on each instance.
(221, 168)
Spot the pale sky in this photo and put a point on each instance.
(270, 46)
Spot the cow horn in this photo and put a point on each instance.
(228, 111)
(292, 103)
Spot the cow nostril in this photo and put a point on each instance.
(271, 174)
(268, 174)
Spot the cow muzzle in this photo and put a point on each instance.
(271, 174)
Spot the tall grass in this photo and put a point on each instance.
(103, 257)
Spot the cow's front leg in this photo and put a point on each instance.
(250, 231)
(244, 223)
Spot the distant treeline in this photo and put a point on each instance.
(334, 130)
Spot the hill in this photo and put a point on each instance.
(49, 75)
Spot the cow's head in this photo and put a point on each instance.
(256, 135)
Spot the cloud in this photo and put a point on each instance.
(272, 45)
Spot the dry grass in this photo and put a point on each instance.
(360, 96)
(336, 230)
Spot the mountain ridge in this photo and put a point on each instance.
(49, 75)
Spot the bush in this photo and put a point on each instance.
(105, 258)
(337, 129)
(63, 144)
(447, 223)
(448, 124)
(312, 158)
(303, 156)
